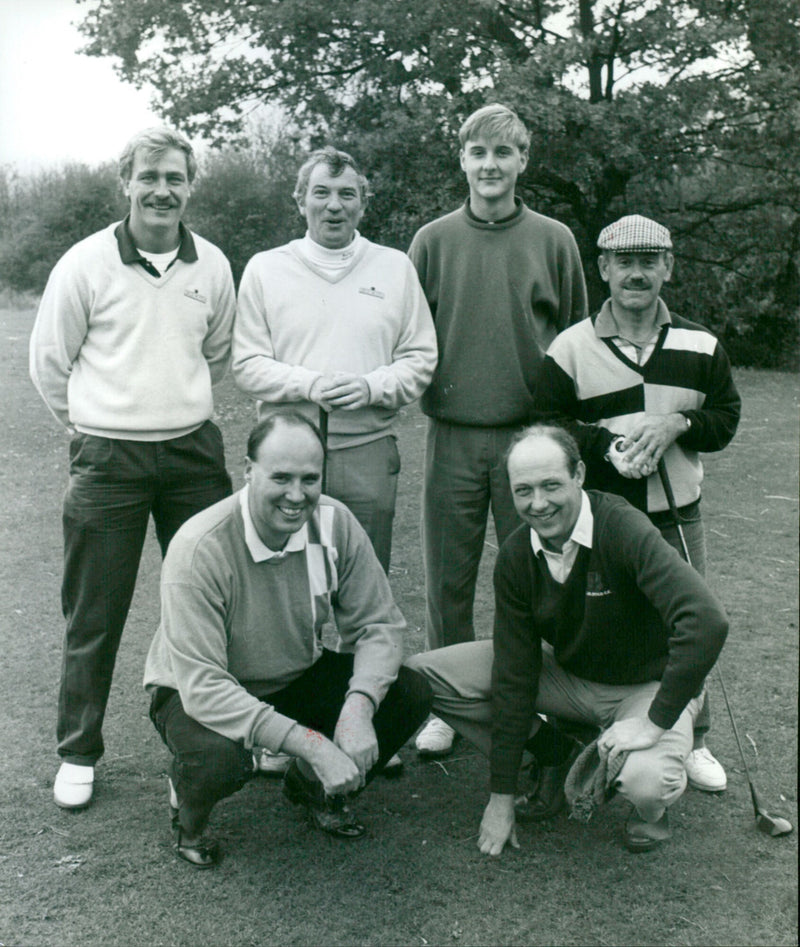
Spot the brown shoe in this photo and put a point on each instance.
(328, 813)
(641, 836)
(548, 798)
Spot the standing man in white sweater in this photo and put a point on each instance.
(336, 322)
(133, 329)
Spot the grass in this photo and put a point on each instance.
(108, 875)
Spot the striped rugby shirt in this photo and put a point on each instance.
(586, 376)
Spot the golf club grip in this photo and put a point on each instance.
(323, 430)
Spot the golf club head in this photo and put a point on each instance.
(773, 825)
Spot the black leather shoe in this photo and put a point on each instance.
(203, 854)
(641, 836)
(548, 798)
(328, 813)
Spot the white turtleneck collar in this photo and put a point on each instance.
(331, 261)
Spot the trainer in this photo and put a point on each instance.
(653, 385)
(599, 621)
(247, 589)
(335, 321)
(133, 329)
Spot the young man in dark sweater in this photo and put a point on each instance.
(599, 621)
(501, 282)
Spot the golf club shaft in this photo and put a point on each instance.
(673, 509)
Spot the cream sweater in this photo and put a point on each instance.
(296, 321)
(119, 353)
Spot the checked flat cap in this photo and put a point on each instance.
(635, 234)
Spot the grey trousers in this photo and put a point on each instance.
(652, 779)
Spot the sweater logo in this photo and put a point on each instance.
(595, 586)
(371, 291)
(195, 294)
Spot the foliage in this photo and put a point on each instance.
(242, 200)
(43, 214)
(683, 109)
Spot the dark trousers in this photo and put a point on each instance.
(207, 767)
(114, 487)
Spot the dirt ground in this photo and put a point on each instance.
(108, 875)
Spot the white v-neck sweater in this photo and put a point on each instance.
(119, 353)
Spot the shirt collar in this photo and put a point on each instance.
(517, 212)
(581, 531)
(187, 252)
(605, 325)
(258, 550)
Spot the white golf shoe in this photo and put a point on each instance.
(435, 738)
(74, 786)
(704, 771)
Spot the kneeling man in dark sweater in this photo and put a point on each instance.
(599, 621)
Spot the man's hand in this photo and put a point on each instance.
(633, 733)
(618, 455)
(338, 774)
(649, 437)
(355, 735)
(342, 390)
(497, 824)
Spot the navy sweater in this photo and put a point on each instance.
(630, 611)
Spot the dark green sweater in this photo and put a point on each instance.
(630, 611)
(499, 294)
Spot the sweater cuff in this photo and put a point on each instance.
(272, 732)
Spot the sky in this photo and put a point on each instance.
(57, 105)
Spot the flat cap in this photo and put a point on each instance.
(635, 234)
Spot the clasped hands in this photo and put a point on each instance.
(637, 454)
(341, 764)
(340, 390)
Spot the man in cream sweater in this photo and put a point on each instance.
(133, 330)
(335, 322)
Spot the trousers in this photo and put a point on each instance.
(652, 779)
(365, 479)
(465, 477)
(114, 487)
(207, 767)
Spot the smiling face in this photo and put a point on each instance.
(332, 206)
(635, 279)
(492, 166)
(546, 496)
(285, 482)
(158, 190)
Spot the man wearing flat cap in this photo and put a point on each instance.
(645, 383)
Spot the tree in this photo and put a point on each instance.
(687, 111)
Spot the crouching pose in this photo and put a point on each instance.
(598, 621)
(238, 662)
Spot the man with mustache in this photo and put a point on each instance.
(646, 384)
(133, 330)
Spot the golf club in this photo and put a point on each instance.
(768, 824)
(323, 430)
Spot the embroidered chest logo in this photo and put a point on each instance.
(595, 586)
(371, 291)
(195, 294)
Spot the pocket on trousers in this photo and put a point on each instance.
(89, 452)
(393, 458)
